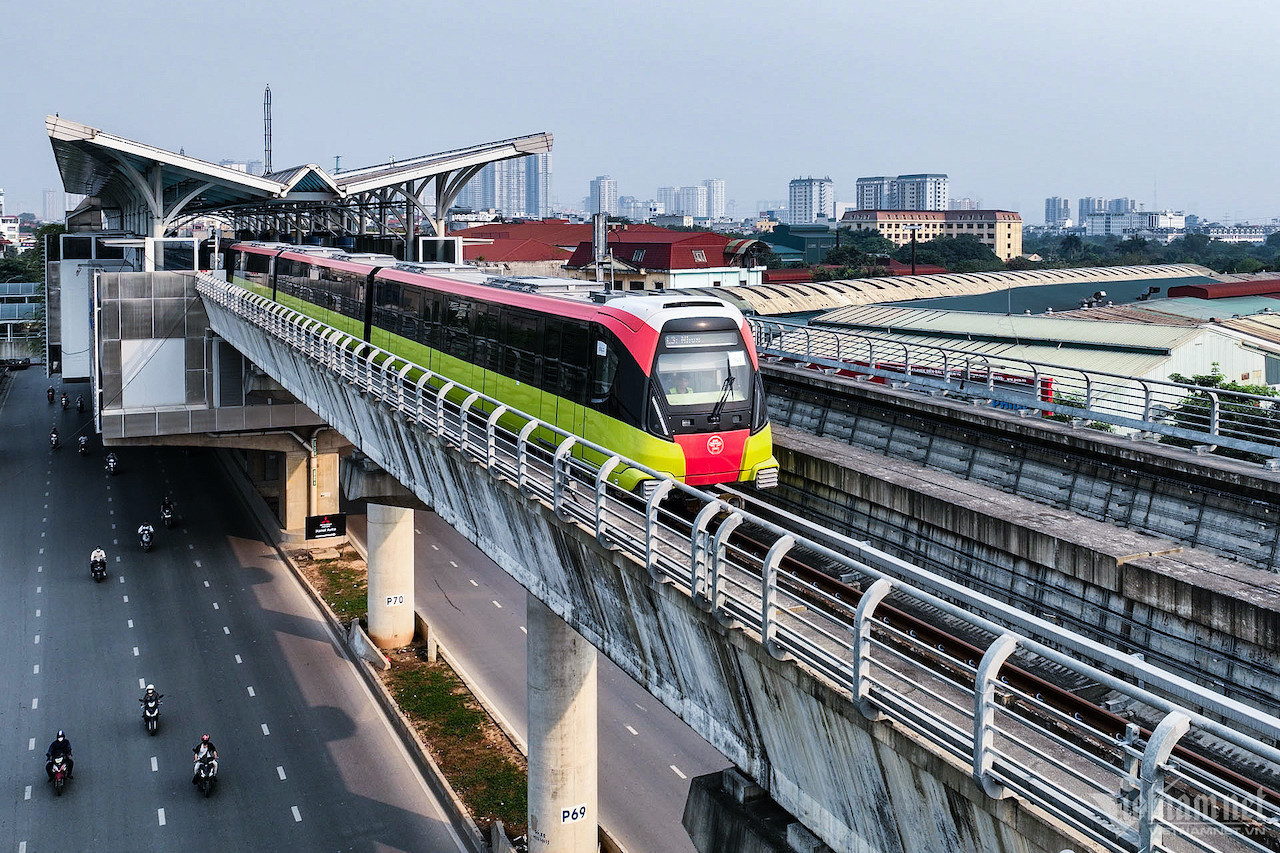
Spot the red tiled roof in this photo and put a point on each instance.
(555, 232)
(663, 249)
(1222, 290)
(784, 276)
(502, 251)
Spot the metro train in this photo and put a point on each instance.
(669, 381)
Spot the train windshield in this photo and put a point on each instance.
(704, 369)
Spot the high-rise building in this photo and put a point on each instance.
(693, 201)
(1122, 206)
(1, 201)
(669, 198)
(715, 197)
(604, 196)
(537, 185)
(1057, 212)
(509, 187)
(811, 199)
(873, 193)
(1088, 206)
(965, 203)
(921, 192)
(54, 206)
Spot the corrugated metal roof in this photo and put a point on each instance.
(1013, 329)
(1203, 310)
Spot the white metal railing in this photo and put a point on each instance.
(1124, 789)
(1209, 416)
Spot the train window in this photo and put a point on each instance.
(519, 355)
(457, 328)
(604, 368)
(488, 337)
(432, 311)
(551, 366)
(702, 378)
(574, 351)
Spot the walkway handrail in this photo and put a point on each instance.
(1016, 744)
(1198, 414)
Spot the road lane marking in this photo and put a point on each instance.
(524, 629)
(113, 525)
(297, 815)
(126, 599)
(226, 630)
(280, 770)
(35, 703)
(265, 731)
(155, 765)
(42, 551)
(115, 541)
(191, 547)
(117, 558)
(130, 623)
(434, 546)
(40, 568)
(238, 659)
(641, 707)
(22, 847)
(135, 651)
(251, 693)
(206, 584)
(215, 605)
(142, 683)
(160, 815)
(42, 534)
(473, 583)
(35, 669)
(198, 566)
(122, 576)
(31, 745)
(37, 612)
(39, 589)
(37, 639)
(497, 605)
(27, 795)
(633, 731)
(676, 770)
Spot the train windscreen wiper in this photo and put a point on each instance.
(724, 398)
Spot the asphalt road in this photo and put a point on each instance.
(646, 753)
(218, 623)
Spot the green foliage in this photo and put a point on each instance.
(1240, 419)
(857, 248)
(965, 253)
(1076, 251)
(1076, 401)
(345, 587)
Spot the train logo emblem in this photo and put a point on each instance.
(715, 445)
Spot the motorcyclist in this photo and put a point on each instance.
(98, 556)
(205, 747)
(60, 747)
(64, 399)
(150, 694)
(145, 528)
(84, 443)
(112, 461)
(79, 402)
(166, 506)
(53, 436)
(50, 393)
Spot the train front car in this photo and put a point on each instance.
(705, 393)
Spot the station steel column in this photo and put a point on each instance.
(390, 575)
(562, 736)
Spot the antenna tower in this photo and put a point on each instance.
(266, 131)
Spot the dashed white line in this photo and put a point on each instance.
(155, 766)
(115, 541)
(251, 693)
(142, 683)
(434, 546)
(206, 584)
(280, 770)
(31, 745)
(117, 558)
(39, 589)
(215, 605)
(122, 576)
(42, 551)
(452, 563)
(42, 533)
(191, 547)
(473, 583)
(197, 562)
(45, 520)
(238, 659)
(126, 599)
(676, 770)
(524, 629)
(130, 623)
(160, 815)
(641, 707)
(37, 612)
(37, 639)
(135, 651)
(113, 525)
(633, 731)
(35, 669)
(497, 605)
(265, 731)
(27, 795)
(40, 568)
(35, 703)
(22, 847)
(226, 630)
(297, 815)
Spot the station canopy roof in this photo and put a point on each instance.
(125, 175)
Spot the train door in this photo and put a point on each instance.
(575, 358)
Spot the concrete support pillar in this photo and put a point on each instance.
(562, 736)
(295, 497)
(390, 575)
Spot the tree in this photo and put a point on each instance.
(965, 253)
(1071, 246)
(1244, 419)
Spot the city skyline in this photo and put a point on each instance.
(1009, 129)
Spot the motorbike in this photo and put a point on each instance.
(50, 394)
(80, 404)
(111, 463)
(83, 447)
(65, 401)
(151, 714)
(166, 515)
(144, 539)
(53, 440)
(98, 568)
(206, 774)
(60, 774)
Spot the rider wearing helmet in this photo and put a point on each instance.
(150, 694)
(205, 747)
(60, 747)
(98, 556)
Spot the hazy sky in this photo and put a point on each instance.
(1167, 102)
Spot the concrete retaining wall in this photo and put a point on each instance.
(858, 785)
